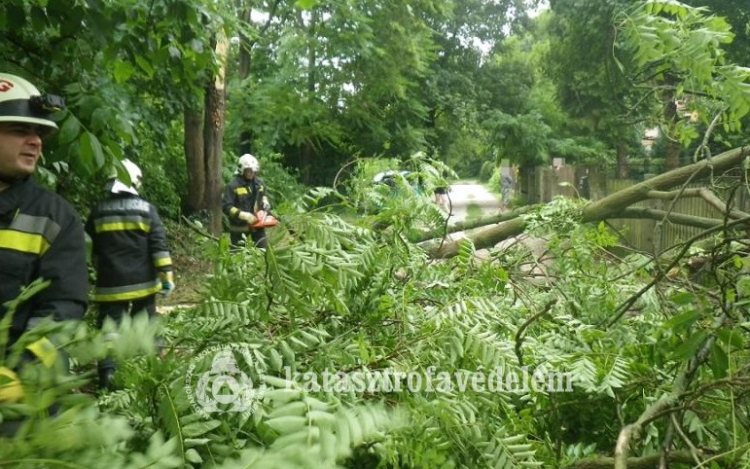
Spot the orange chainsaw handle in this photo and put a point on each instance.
(264, 220)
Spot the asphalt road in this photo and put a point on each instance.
(475, 200)
(472, 200)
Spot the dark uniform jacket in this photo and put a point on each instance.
(129, 245)
(242, 195)
(41, 235)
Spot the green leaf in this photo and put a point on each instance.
(682, 298)
(69, 130)
(145, 65)
(295, 408)
(92, 155)
(682, 321)
(731, 337)
(123, 71)
(719, 361)
(99, 119)
(287, 424)
(192, 456)
(190, 442)
(690, 347)
(743, 284)
(199, 428)
(306, 4)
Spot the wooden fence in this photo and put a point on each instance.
(542, 184)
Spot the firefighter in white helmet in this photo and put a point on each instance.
(41, 234)
(244, 197)
(130, 255)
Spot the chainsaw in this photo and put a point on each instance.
(265, 220)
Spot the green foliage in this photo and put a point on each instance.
(488, 168)
(682, 49)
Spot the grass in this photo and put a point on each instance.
(473, 211)
(191, 264)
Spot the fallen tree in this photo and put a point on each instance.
(615, 206)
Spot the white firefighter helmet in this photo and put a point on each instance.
(20, 101)
(134, 174)
(248, 161)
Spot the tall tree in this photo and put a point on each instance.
(462, 80)
(592, 89)
(335, 80)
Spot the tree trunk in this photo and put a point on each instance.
(245, 45)
(643, 462)
(672, 160)
(525, 183)
(617, 205)
(213, 131)
(196, 174)
(622, 159)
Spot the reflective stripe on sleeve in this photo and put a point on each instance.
(162, 259)
(28, 233)
(23, 242)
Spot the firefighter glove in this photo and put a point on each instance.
(248, 217)
(167, 282)
(266, 205)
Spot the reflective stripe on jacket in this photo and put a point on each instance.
(129, 246)
(41, 235)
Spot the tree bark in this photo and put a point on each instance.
(672, 160)
(622, 160)
(213, 130)
(613, 206)
(644, 462)
(196, 174)
(470, 224)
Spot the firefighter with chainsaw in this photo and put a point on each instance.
(41, 235)
(130, 255)
(246, 205)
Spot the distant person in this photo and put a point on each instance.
(130, 255)
(584, 186)
(441, 193)
(41, 234)
(506, 189)
(244, 198)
